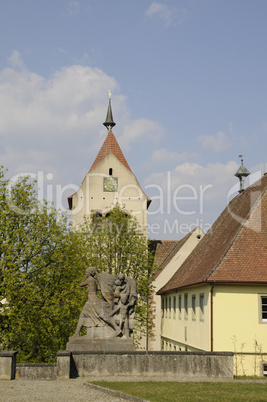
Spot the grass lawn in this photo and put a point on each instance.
(197, 391)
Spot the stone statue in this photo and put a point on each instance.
(96, 312)
(112, 315)
(125, 299)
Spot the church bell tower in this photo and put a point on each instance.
(108, 182)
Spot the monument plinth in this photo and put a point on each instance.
(83, 344)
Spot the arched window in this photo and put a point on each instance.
(97, 218)
(116, 226)
(110, 171)
(110, 213)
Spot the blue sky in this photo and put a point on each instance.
(188, 83)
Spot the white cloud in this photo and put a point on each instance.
(61, 50)
(73, 8)
(54, 124)
(168, 15)
(215, 143)
(216, 174)
(163, 155)
(192, 195)
(83, 60)
(69, 100)
(189, 195)
(231, 128)
(140, 130)
(15, 60)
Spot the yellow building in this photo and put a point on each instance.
(108, 182)
(169, 256)
(220, 291)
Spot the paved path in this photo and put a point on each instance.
(57, 390)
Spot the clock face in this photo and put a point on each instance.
(110, 184)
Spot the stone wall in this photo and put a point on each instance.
(7, 365)
(175, 365)
(36, 371)
(180, 365)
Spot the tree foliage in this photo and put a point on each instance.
(42, 262)
(41, 266)
(116, 243)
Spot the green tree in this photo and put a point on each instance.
(116, 243)
(41, 265)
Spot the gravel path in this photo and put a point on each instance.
(57, 390)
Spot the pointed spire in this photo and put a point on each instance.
(242, 173)
(109, 123)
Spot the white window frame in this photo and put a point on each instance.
(263, 304)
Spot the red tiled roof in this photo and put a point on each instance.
(162, 250)
(235, 248)
(110, 145)
(165, 250)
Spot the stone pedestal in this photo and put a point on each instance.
(163, 365)
(63, 364)
(8, 365)
(84, 344)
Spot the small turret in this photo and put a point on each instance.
(242, 173)
(109, 123)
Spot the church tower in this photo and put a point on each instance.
(108, 182)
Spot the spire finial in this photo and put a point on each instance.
(109, 123)
(242, 173)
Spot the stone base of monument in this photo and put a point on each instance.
(85, 344)
(163, 365)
